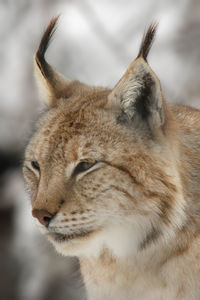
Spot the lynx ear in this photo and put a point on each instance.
(137, 96)
(51, 83)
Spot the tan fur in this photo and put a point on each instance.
(132, 216)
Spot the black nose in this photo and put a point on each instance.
(43, 216)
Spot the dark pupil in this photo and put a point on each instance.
(35, 165)
(83, 166)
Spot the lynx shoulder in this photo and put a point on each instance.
(114, 178)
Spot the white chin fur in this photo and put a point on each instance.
(121, 241)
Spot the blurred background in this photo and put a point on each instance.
(94, 43)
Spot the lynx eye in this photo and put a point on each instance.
(35, 165)
(83, 166)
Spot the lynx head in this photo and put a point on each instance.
(101, 167)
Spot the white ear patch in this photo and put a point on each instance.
(129, 87)
(138, 95)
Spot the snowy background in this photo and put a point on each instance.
(94, 43)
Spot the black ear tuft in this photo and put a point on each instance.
(137, 98)
(52, 84)
(147, 41)
(44, 43)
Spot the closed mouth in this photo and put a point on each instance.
(59, 237)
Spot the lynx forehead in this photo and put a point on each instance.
(114, 179)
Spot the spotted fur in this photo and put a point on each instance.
(114, 179)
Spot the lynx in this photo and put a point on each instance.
(114, 180)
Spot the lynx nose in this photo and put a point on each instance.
(43, 216)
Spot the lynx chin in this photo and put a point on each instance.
(114, 178)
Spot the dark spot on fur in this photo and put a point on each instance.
(65, 220)
(151, 237)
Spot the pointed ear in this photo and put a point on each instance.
(51, 83)
(137, 97)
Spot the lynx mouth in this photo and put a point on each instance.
(59, 237)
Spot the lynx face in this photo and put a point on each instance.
(101, 167)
